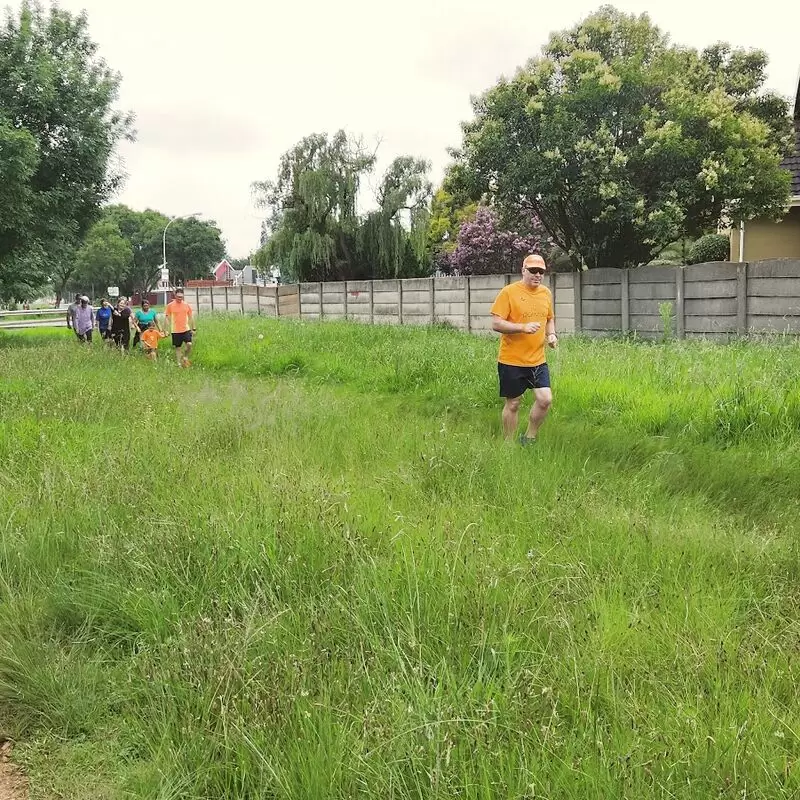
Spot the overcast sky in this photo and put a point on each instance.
(221, 89)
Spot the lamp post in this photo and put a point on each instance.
(164, 242)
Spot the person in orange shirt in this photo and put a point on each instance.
(150, 338)
(523, 314)
(181, 324)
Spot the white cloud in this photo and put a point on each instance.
(222, 90)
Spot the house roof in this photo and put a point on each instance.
(222, 269)
(792, 163)
(797, 102)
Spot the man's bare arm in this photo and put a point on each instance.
(504, 326)
(550, 333)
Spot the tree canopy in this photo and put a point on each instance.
(105, 259)
(448, 213)
(194, 248)
(314, 228)
(312, 207)
(621, 143)
(392, 241)
(124, 248)
(58, 133)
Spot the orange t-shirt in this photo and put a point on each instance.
(517, 303)
(181, 313)
(150, 337)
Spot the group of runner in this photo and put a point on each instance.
(116, 323)
(522, 313)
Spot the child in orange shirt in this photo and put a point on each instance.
(150, 339)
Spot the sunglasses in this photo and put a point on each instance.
(535, 270)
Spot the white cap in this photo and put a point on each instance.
(84, 297)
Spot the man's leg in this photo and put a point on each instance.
(179, 354)
(187, 349)
(511, 416)
(543, 401)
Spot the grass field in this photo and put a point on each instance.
(309, 567)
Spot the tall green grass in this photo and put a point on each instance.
(310, 567)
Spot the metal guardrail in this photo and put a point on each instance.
(33, 318)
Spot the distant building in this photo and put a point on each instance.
(247, 276)
(223, 271)
(761, 239)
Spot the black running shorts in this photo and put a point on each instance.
(514, 381)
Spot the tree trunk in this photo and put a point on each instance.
(345, 251)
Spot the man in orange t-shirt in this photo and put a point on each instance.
(181, 324)
(523, 313)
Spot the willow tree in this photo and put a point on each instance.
(314, 228)
(392, 241)
(312, 206)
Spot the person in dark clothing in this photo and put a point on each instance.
(121, 326)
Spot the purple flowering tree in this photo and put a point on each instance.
(485, 248)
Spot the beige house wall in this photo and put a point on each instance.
(764, 239)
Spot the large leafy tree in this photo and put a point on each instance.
(392, 241)
(58, 132)
(455, 202)
(144, 231)
(22, 268)
(194, 248)
(448, 214)
(125, 249)
(621, 143)
(105, 259)
(312, 219)
(314, 228)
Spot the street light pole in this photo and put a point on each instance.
(164, 241)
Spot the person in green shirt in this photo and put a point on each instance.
(143, 317)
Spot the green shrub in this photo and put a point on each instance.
(711, 247)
